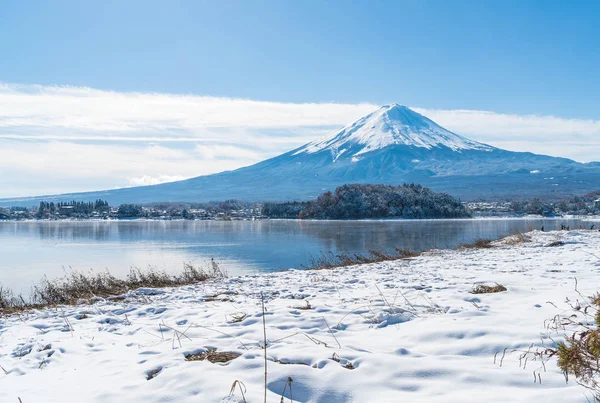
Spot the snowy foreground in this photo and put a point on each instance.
(402, 331)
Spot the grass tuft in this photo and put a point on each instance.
(479, 244)
(487, 289)
(77, 287)
(516, 239)
(306, 307)
(331, 261)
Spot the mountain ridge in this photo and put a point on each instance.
(392, 145)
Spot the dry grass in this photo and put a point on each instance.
(348, 364)
(578, 354)
(487, 289)
(238, 317)
(478, 244)
(331, 261)
(213, 356)
(306, 307)
(555, 243)
(516, 239)
(240, 385)
(77, 287)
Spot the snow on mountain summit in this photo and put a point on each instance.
(391, 125)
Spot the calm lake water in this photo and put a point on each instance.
(31, 250)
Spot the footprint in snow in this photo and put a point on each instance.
(22, 350)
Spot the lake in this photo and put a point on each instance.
(31, 250)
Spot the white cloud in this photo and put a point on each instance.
(90, 112)
(571, 138)
(154, 180)
(226, 152)
(62, 139)
(28, 168)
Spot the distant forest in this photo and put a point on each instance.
(372, 201)
(346, 202)
(588, 204)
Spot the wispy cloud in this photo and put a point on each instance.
(60, 139)
(90, 112)
(571, 138)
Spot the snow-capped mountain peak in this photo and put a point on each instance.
(392, 145)
(390, 125)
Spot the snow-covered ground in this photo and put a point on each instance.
(410, 330)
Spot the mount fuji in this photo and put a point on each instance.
(393, 145)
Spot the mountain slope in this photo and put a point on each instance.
(391, 126)
(392, 145)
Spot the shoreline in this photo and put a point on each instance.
(324, 261)
(406, 330)
(483, 218)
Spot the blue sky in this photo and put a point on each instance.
(155, 89)
(506, 56)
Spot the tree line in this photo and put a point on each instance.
(358, 201)
(588, 204)
(71, 208)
